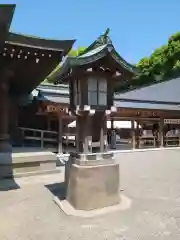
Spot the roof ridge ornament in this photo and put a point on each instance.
(103, 39)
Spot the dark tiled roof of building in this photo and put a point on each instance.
(167, 92)
(160, 96)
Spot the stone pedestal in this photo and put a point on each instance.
(92, 181)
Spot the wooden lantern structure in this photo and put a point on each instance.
(91, 100)
(92, 76)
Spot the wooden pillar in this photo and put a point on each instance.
(105, 139)
(13, 121)
(161, 132)
(91, 129)
(77, 135)
(5, 146)
(102, 139)
(133, 134)
(88, 134)
(49, 122)
(67, 139)
(83, 127)
(112, 124)
(99, 130)
(137, 135)
(60, 133)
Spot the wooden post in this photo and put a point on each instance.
(103, 132)
(86, 148)
(105, 142)
(67, 139)
(5, 146)
(42, 139)
(90, 144)
(88, 134)
(112, 124)
(80, 126)
(102, 139)
(85, 134)
(23, 135)
(133, 134)
(60, 148)
(154, 141)
(77, 136)
(138, 136)
(161, 132)
(48, 123)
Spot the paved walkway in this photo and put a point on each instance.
(29, 213)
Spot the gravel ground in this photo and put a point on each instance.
(151, 182)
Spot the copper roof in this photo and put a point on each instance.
(99, 49)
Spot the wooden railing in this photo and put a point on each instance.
(45, 137)
(172, 141)
(37, 135)
(147, 141)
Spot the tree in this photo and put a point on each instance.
(75, 53)
(161, 65)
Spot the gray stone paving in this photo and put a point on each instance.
(153, 184)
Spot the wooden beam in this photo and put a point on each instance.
(118, 118)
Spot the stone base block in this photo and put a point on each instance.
(92, 185)
(70, 211)
(25, 164)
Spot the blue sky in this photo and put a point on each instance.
(137, 26)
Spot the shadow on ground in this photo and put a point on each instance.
(8, 184)
(57, 189)
(7, 181)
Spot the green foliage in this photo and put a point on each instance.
(161, 65)
(174, 37)
(75, 53)
(72, 53)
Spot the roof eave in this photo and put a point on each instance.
(63, 68)
(124, 64)
(82, 61)
(70, 62)
(40, 43)
(32, 46)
